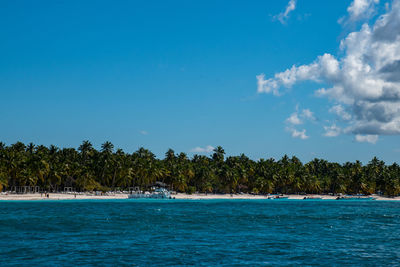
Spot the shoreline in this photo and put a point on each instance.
(288, 197)
(182, 196)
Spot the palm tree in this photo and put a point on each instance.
(85, 148)
(3, 170)
(89, 169)
(218, 155)
(106, 158)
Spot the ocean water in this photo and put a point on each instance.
(208, 233)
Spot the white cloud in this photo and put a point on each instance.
(294, 119)
(299, 117)
(298, 134)
(307, 114)
(361, 9)
(369, 138)
(332, 131)
(340, 111)
(284, 16)
(266, 86)
(143, 132)
(325, 65)
(206, 149)
(365, 79)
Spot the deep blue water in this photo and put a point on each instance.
(176, 232)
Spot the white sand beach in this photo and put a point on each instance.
(250, 196)
(198, 196)
(59, 196)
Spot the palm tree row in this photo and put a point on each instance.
(87, 169)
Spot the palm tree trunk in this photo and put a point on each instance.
(113, 180)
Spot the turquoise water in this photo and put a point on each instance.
(175, 232)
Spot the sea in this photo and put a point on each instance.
(200, 233)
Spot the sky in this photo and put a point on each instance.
(310, 78)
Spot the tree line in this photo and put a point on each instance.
(87, 169)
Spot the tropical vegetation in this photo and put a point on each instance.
(53, 169)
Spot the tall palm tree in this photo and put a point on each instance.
(218, 155)
(106, 155)
(85, 148)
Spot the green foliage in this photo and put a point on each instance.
(191, 190)
(87, 169)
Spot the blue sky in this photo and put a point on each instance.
(178, 74)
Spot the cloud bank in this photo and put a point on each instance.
(364, 82)
(361, 9)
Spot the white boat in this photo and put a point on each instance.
(158, 193)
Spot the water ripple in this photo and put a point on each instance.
(204, 233)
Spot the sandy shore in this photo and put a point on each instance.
(58, 196)
(249, 196)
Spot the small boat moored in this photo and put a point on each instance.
(277, 197)
(158, 193)
(312, 198)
